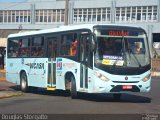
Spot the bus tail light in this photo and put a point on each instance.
(102, 77)
(146, 78)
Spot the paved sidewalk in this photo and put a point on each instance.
(8, 89)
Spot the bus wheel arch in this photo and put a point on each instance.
(23, 81)
(68, 80)
(70, 84)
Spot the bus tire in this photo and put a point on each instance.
(24, 83)
(73, 88)
(117, 96)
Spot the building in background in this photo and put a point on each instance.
(43, 14)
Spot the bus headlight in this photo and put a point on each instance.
(102, 77)
(146, 78)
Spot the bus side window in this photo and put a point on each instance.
(24, 50)
(74, 45)
(65, 45)
(69, 44)
(34, 52)
(41, 51)
(13, 47)
(37, 49)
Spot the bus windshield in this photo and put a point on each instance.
(121, 48)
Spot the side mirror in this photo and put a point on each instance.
(93, 43)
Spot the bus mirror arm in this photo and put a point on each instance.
(93, 43)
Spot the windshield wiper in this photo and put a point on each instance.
(114, 64)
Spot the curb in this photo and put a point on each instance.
(10, 94)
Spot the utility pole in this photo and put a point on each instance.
(66, 12)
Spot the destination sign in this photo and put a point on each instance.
(120, 32)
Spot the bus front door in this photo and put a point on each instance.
(84, 57)
(52, 54)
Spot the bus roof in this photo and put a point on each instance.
(64, 28)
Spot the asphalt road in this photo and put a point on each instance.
(58, 103)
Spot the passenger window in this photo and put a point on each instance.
(13, 48)
(74, 45)
(24, 50)
(37, 49)
(69, 44)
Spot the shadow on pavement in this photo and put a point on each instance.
(131, 98)
(15, 87)
(109, 98)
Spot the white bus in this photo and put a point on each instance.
(87, 58)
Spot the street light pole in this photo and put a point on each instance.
(66, 12)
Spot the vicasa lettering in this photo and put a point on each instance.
(36, 65)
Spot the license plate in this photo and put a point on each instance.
(127, 87)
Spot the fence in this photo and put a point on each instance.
(156, 67)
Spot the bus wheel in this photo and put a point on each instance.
(67, 85)
(24, 84)
(117, 96)
(73, 88)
